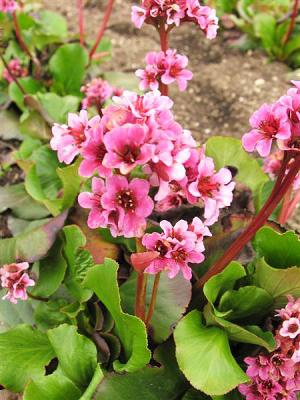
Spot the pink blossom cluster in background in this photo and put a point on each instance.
(174, 12)
(276, 123)
(16, 281)
(16, 69)
(138, 134)
(96, 93)
(166, 67)
(272, 165)
(8, 6)
(277, 375)
(176, 247)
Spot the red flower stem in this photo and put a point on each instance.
(292, 22)
(153, 299)
(256, 224)
(285, 205)
(140, 299)
(164, 45)
(293, 204)
(80, 21)
(24, 46)
(103, 26)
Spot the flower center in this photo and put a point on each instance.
(267, 384)
(78, 134)
(126, 200)
(206, 186)
(269, 128)
(130, 154)
(277, 361)
(162, 246)
(179, 255)
(174, 70)
(101, 152)
(293, 328)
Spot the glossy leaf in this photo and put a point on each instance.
(58, 107)
(31, 245)
(173, 297)
(203, 355)
(67, 79)
(24, 353)
(279, 250)
(102, 279)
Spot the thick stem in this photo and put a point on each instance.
(153, 299)
(140, 299)
(285, 205)
(103, 26)
(24, 46)
(80, 21)
(293, 204)
(292, 22)
(164, 45)
(256, 224)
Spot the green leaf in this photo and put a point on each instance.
(128, 243)
(77, 355)
(173, 297)
(79, 262)
(9, 122)
(12, 315)
(224, 281)
(102, 279)
(277, 282)
(58, 107)
(31, 245)
(68, 79)
(203, 355)
(32, 124)
(52, 387)
(150, 383)
(52, 271)
(280, 250)
(247, 301)
(228, 151)
(242, 334)
(265, 29)
(52, 28)
(49, 315)
(24, 353)
(16, 199)
(30, 85)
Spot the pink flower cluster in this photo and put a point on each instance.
(277, 375)
(176, 247)
(16, 69)
(272, 165)
(166, 67)
(8, 6)
(96, 93)
(278, 122)
(174, 12)
(138, 134)
(16, 281)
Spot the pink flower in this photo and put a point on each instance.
(16, 69)
(177, 247)
(138, 16)
(127, 148)
(175, 70)
(215, 190)
(93, 151)
(201, 230)
(97, 217)
(290, 328)
(96, 92)
(149, 78)
(174, 197)
(129, 203)
(16, 281)
(68, 139)
(8, 6)
(269, 122)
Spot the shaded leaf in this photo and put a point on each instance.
(173, 297)
(35, 126)
(9, 122)
(102, 279)
(31, 245)
(12, 315)
(203, 354)
(49, 314)
(30, 85)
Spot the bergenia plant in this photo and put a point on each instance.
(140, 255)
